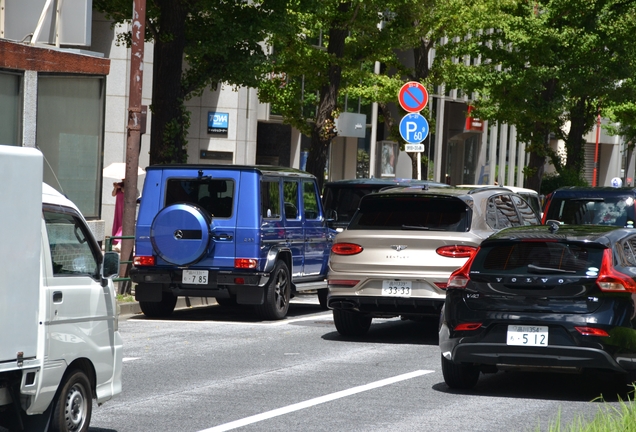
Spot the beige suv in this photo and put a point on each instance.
(396, 255)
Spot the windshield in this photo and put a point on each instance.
(538, 257)
(412, 213)
(345, 200)
(609, 210)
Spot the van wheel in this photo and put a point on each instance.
(74, 404)
(459, 376)
(322, 297)
(160, 309)
(351, 323)
(277, 294)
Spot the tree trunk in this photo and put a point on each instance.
(323, 130)
(575, 144)
(168, 95)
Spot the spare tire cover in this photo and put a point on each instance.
(180, 233)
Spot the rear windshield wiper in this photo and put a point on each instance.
(536, 269)
(413, 227)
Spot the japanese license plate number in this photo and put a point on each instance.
(393, 288)
(195, 277)
(527, 335)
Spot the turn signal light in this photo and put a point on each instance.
(140, 261)
(245, 263)
(346, 249)
(342, 282)
(467, 326)
(456, 251)
(591, 331)
(610, 279)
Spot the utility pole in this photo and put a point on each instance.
(133, 142)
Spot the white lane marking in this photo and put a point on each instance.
(126, 359)
(268, 324)
(316, 401)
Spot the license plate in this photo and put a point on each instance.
(527, 335)
(396, 288)
(195, 277)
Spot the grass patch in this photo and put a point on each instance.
(125, 298)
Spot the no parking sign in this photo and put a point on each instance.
(413, 97)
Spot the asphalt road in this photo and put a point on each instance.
(213, 369)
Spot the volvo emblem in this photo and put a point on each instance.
(398, 247)
(178, 234)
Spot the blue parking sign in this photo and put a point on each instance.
(414, 128)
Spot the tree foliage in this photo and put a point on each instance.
(197, 44)
(546, 66)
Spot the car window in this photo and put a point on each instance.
(270, 199)
(290, 198)
(345, 200)
(528, 216)
(532, 257)
(214, 195)
(629, 252)
(611, 210)
(501, 212)
(71, 252)
(412, 212)
(310, 200)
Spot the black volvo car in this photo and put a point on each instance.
(548, 297)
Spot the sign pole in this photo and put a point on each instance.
(419, 165)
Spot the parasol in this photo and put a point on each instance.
(117, 170)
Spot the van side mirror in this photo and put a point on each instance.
(110, 265)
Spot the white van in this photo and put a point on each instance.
(60, 347)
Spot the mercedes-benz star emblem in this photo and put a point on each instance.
(178, 234)
(398, 247)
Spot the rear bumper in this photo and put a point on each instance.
(216, 279)
(386, 306)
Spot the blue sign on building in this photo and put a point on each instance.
(218, 122)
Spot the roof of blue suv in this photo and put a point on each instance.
(265, 169)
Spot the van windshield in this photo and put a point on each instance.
(610, 210)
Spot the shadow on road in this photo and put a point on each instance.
(394, 331)
(300, 306)
(586, 387)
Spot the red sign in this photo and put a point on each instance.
(473, 124)
(413, 97)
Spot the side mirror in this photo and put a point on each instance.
(110, 265)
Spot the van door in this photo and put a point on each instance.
(80, 311)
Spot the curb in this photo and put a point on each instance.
(129, 309)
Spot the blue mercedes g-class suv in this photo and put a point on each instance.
(247, 235)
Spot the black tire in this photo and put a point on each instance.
(277, 294)
(73, 405)
(322, 297)
(351, 323)
(160, 309)
(459, 376)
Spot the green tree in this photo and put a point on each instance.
(197, 44)
(544, 65)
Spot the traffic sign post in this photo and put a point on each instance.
(414, 128)
(413, 97)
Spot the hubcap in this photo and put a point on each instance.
(75, 409)
(281, 290)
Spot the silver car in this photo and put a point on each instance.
(396, 255)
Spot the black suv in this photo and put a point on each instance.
(341, 197)
(555, 298)
(591, 206)
(240, 234)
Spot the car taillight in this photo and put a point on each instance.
(591, 331)
(456, 251)
(610, 279)
(467, 326)
(245, 263)
(548, 200)
(459, 278)
(346, 249)
(140, 261)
